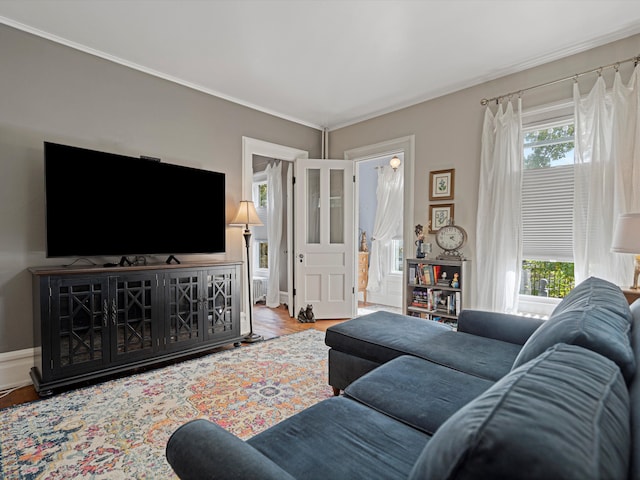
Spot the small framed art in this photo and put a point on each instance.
(440, 216)
(441, 183)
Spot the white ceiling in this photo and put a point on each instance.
(328, 63)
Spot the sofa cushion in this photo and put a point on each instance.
(375, 337)
(594, 315)
(420, 393)
(596, 291)
(564, 414)
(340, 438)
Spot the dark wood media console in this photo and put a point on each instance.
(91, 322)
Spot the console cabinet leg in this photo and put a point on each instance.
(336, 391)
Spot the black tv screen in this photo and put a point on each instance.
(102, 204)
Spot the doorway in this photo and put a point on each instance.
(380, 226)
(362, 156)
(251, 147)
(272, 242)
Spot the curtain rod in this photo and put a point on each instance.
(574, 77)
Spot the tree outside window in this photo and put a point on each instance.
(263, 254)
(262, 195)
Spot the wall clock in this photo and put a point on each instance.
(451, 239)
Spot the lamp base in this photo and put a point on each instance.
(252, 338)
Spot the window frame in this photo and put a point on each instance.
(546, 116)
(259, 179)
(393, 259)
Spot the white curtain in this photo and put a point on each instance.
(274, 231)
(499, 226)
(606, 171)
(387, 223)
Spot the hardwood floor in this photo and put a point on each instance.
(269, 323)
(273, 322)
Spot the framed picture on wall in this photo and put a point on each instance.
(441, 183)
(440, 216)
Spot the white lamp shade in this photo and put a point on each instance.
(395, 162)
(626, 236)
(246, 215)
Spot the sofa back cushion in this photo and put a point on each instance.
(594, 315)
(564, 414)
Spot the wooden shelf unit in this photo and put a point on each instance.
(430, 297)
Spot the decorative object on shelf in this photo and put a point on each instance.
(440, 216)
(443, 281)
(451, 239)
(363, 242)
(626, 239)
(307, 316)
(420, 250)
(441, 183)
(455, 283)
(246, 216)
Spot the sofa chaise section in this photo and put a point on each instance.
(484, 345)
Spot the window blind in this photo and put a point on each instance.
(547, 213)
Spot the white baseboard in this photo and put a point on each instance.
(15, 367)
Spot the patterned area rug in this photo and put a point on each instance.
(119, 429)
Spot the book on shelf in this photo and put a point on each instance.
(435, 270)
(428, 275)
(412, 275)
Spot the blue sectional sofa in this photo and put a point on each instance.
(502, 397)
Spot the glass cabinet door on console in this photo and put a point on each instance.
(80, 310)
(134, 316)
(183, 304)
(202, 305)
(221, 303)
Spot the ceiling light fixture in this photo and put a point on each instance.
(394, 162)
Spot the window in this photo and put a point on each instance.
(262, 195)
(547, 209)
(263, 254)
(397, 257)
(260, 250)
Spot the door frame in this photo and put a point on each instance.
(367, 152)
(251, 147)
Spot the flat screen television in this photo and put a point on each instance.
(102, 204)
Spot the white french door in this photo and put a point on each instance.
(324, 237)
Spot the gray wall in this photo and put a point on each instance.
(49, 92)
(448, 129)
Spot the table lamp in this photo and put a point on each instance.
(626, 239)
(246, 216)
